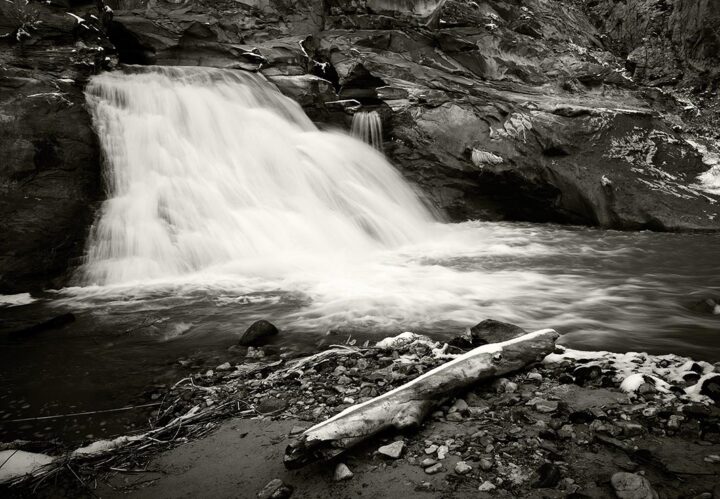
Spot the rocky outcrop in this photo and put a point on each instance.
(664, 42)
(497, 110)
(50, 176)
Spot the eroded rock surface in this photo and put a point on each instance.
(497, 110)
(49, 172)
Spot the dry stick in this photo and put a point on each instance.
(88, 413)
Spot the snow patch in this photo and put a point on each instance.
(18, 463)
(632, 369)
(481, 158)
(102, 446)
(15, 300)
(402, 340)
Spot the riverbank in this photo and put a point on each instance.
(561, 427)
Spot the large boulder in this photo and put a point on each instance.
(50, 174)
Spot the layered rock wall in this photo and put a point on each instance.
(538, 110)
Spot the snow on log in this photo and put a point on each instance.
(408, 404)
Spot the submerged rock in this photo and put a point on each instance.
(258, 333)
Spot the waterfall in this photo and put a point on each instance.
(207, 167)
(367, 126)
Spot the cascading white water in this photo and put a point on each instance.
(367, 126)
(209, 166)
(221, 189)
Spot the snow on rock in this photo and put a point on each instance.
(633, 382)
(633, 369)
(15, 300)
(102, 446)
(401, 340)
(18, 463)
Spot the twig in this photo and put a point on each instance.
(88, 413)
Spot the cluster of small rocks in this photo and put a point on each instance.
(520, 435)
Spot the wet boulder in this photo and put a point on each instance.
(259, 333)
(487, 331)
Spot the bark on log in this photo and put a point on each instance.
(408, 404)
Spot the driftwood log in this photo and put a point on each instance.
(407, 405)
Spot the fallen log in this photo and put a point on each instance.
(407, 405)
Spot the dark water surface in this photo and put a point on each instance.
(600, 289)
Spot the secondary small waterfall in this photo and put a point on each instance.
(208, 166)
(367, 127)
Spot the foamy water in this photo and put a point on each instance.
(218, 182)
(213, 168)
(221, 187)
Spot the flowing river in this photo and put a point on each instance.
(226, 204)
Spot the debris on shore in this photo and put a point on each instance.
(567, 424)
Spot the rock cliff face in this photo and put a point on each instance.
(665, 41)
(49, 171)
(497, 109)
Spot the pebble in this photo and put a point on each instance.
(392, 450)
(224, 367)
(566, 432)
(432, 449)
(442, 452)
(462, 468)
(459, 406)
(435, 468)
(499, 384)
(275, 489)
(486, 487)
(485, 464)
(535, 377)
(427, 462)
(674, 422)
(342, 472)
(297, 429)
(632, 486)
(542, 405)
(631, 429)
